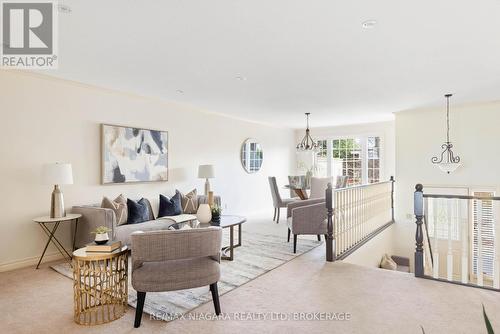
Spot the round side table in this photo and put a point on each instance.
(44, 224)
(100, 284)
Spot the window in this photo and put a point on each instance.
(359, 158)
(322, 159)
(373, 159)
(483, 210)
(347, 159)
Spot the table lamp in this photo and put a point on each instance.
(57, 174)
(206, 172)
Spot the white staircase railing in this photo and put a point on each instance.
(356, 214)
(456, 238)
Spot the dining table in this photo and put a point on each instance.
(300, 190)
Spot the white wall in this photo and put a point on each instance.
(385, 130)
(371, 253)
(475, 134)
(48, 120)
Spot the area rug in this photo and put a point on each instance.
(258, 254)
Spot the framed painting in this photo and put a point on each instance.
(133, 154)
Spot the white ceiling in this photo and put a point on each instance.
(297, 56)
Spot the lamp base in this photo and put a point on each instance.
(57, 204)
(207, 187)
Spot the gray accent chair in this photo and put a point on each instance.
(175, 260)
(278, 202)
(307, 217)
(341, 181)
(318, 186)
(94, 216)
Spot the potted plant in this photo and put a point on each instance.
(101, 235)
(216, 212)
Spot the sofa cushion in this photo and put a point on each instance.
(139, 211)
(388, 263)
(119, 206)
(170, 206)
(189, 201)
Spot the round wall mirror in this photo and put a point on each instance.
(251, 155)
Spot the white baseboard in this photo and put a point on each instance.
(29, 261)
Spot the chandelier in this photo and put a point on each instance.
(307, 143)
(448, 162)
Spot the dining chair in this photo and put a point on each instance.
(295, 179)
(175, 260)
(318, 186)
(278, 202)
(341, 181)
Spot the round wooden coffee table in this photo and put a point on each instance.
(100, 285)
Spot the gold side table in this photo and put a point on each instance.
(100, 284)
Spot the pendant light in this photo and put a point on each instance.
(307, 143)
(448, 162)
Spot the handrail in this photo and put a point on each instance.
(481, 198)
(365, 185)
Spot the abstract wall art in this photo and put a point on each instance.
(133, 154)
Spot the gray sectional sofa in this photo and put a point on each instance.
(94, 216)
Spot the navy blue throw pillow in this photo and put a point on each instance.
(170, 207)
(138, 212)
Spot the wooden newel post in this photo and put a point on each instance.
(330, 254)
(418, 205)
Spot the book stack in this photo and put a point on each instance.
(110, 247)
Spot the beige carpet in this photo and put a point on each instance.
(379, 301)
(257, 255)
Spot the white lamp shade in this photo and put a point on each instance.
(206, 171)
(58, 173)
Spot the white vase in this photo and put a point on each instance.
(204, 213)
(101, 238)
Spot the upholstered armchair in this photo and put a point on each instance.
(306, 217)
(175, 260)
